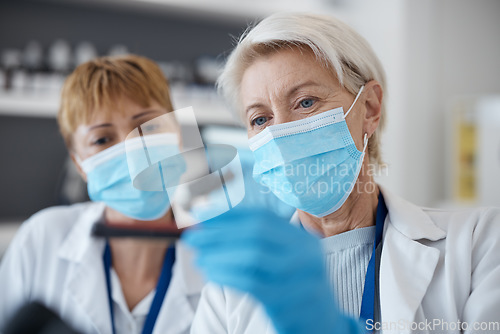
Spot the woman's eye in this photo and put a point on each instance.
(307, 103)
(101, 141)
(260, 121)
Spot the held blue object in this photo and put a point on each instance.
(281, 266)
(311, 164)
(109, 181)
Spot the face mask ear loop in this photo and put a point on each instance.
(366, 142)
(352, 105)
(77, 159)
(79, 162)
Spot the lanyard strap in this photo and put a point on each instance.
(161, 288)
(368, 302)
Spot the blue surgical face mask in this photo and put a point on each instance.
(311, 164)
(109, 177)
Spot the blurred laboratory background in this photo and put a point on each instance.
(442, 59)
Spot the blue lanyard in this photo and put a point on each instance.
(161, 288)
(368, 302)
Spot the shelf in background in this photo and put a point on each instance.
(219, 10)
(29, 105)
(207, 104)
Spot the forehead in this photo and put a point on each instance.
(276, 73)
(120, 107)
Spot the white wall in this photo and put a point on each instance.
(432, 51)
(453, 49)
(381, 22)
(422, 160)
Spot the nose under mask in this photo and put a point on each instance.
(311, 164)
(110, 175)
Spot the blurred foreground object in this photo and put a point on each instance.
(36, 318)
(257, 252)
(155, 231)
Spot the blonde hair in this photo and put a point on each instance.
(100, 82)
(336, 45)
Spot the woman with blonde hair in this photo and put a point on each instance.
(96, 285)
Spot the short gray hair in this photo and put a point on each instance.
(336, 45)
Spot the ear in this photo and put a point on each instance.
(78, 167)
(373, 103)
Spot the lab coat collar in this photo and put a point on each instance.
(86, 252)
(78, 240)
(76, 247)
(406, 265)
(409, 219)
(86, 274)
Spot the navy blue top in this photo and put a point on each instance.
(368, 301)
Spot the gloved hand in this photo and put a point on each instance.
(258, 252)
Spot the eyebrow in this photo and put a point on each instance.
(99, 126)
(254, 105)
(292, 91)
(302, 85)
(104, 125)
(144, 113)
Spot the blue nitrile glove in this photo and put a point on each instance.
(257, 252)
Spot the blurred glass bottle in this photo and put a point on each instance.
(84, 51)
(118, 50)
(32, 62)
(60, 63)
(11, 62)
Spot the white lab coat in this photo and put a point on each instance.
(54, 259)
(435, 264)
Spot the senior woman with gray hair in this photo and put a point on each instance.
(310, 91)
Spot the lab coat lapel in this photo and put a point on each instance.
(86, 278)
(406, 270)
(406, 266)
(184, 291)
(86, 285)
